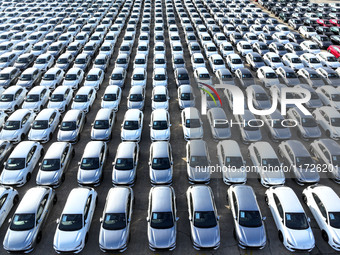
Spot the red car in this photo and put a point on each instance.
(335, 50)
(324, 22)
(335, 22)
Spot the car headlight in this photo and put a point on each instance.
(336, 241)
(289, 242)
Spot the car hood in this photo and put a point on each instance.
(282, 133)
(88, 176)
(123, 176)
(70, 83)
(199, 174)
(308, 175)
(4, 82)
(302, 239)
(186, 103)
(313, 132)
(36, 134)
(160, 105)
(30, 105)
(253, 135)
(56, 105)
(253, 237)
(273, 176)
(92, 83)
(6, 105)
(11, 176)
(206, 237)
(162, 238)
(110, 104)
(130, 134)
(135, 105)
(222, 133)
(193, 132)
(47, 83)
(40, 66)
(293, 81)
(314, 103)
(161, 176)
(99, 133)
(113, 239)
(160, 134)
(262, 104)
(18, 240)
(80, 106)
(47, 177)
(66, 135)
(67, 240)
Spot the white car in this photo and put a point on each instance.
(21, 163)
(310, 47)
(329, 96)
(74, 78)
(216, 62)
(112, 97)
(226, 48)
(197, 60)
(244, 47)
(234, 62)
(329, 119)
(17, 125)
(39, 48)
(141, 61)
(290, 219)
(12, 98)
(131, 129)
(324, 204)
(52, 78)
(310, 60)
(280, 37)
(327, 59)
(160, 125)
(94, 78)
(44, 62)
(9, 197)
(272, 60)
(84, 99)
(44, 125)
(139, 77)
(74, 223)
(293, 61)
(36, 98)
(307, 32)
(210, 49)
(191, 124)
(60, 98)
(159, 61)
(267, 76)
(160, 98)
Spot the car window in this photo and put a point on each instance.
(87, 207)
(3, 200)
(30, 154)
(2, 148)
(41, 208)
(25, 118)
(235, 204)
(320, 205)
(278, 205)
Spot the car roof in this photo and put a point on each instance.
(45, 114)
(53, 70)
(8, 69)
(93, 149)
(76, 201)
(217, 113)
(185, 89)
(198, 147)
(19, 114)
(245, 197)
(126, 150)
(161, 199)
(159, 114)
(191, 112)
(201, 198)
(331, 145)
(117, 198)
(160, 149)
(231, 148)
(31, 200)
(22, 149)
(74, 70)
(55, 150)
(265, 149)
(298, 148)
(288, 199)
(84, 90)
(71, 115)
(103, 113)
(331, 112)
(61, 89)
(30, 70)
(94, 71)
(112, 89)
(329, 198)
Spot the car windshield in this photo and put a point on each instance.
(161, 220)
(89, 163)
(236, 61)
(236, 162)
(32, 98)
(50, 165)
(101, 124)
(187, 96)
(40, 124)
(100, 61)
(335, 97)
(314, 60)
(160, 163)
(291, 74)
(335, 122)
(270, 163)
(296, 221)
(4, 60)
(193, 123)
(114, 221)
(49, 77)
(71, 77)
(12, 125)
(6, 98)
(121, 61)
(4, 76)
(89, 48)
(160, 77)
(309, 122)
(334, 219)
(251, 125)
(296, 60)
(204, 219)
(80, 61)
(116, 77)
(313, 47)
(198, 161)
(131, 125)
(304, 162)
(22, 221)
(159, 98)
(62, 61)
(138, 77)
(257, 59)
(261, 97)
(110, 97)
(92, 77)
(159, 125)
(15, 164)
(57, 98)
(80, 98)
(68, 126)
(250, 219)
(124, 164)
(136, 97)
(277, 123)
(71, 222)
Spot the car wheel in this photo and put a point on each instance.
(55, 199)
(304, 198)
(324, 236)
(22, 137)
(328, 134)
(266, 199)
(39, 236)
(96, 201)
(42, 153)
(28, 177)
(280, 236)
(234, 233)
(62, 179)
(16, 107)
(50, 136)
(86, 237)
(73, 153)
(16, 199)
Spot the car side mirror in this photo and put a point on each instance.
(100, 220)
(218, 217)
(190, 218)
(264, 218)
(147, 219)
(57, 221)
(59, 126)
(79, 163)
(177, 218)
(308, 219)
(9, 220)
(39, 164)
(171, 162)
(150, 125)
(170, 125)
(113, 163)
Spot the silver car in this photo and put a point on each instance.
(266, 163)
(204, 221)
(44, 125)
(112, 97)
(191, 123)
(160, 163)
(136, 98)
(186, 97)
(162, 218)
(60, 98)
(198, 161)
(90, 171)
(84, 99)
(116, 220)
(103, 125)
(118, 77)
(260, 98)
(303, 165)
(219, 125)
(125, 164)
(71, 126)
(54, 165)
(26, 225)
(249, 228)
(160, 125)
(276, 126)
(36, 98)
(250, 131)
(231, 162)
(132, 125)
